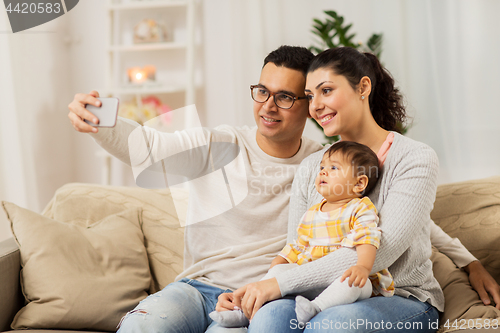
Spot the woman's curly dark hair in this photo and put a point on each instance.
(386, 102)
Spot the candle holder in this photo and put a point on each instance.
(138, 75)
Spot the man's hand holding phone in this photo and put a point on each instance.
(104, 112)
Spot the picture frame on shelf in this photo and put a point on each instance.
(150, 31)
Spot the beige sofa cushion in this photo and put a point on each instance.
(164, 238)
(462, 302)
(79, 277)
(469, 211)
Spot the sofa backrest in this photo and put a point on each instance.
(467, 210)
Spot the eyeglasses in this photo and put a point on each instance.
(282, 100)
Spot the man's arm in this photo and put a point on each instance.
(189, 152)
(114, 140)
(450, 246)
(482, 282)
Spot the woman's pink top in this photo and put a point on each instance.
(384, 150)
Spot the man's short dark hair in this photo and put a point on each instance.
(293, 57)
(363, 160)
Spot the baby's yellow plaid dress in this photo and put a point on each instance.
(321, 233)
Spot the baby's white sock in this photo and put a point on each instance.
(305, 309)
(235, 318)
(337, 293)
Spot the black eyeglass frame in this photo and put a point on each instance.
(294, 98)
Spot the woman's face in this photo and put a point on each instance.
(333, 103)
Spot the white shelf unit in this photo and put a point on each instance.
(149, 4)
(147, 47)
(174, 58)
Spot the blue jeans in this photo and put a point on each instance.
(181, 307)
(376, 314)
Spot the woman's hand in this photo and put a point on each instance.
(251, 297)
(225, 302)
(77, 112)
(483, 283)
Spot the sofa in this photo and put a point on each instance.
(96, 251)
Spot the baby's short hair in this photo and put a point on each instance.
(361, 157)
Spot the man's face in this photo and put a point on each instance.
(274, 123)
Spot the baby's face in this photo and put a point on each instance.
(336, 178)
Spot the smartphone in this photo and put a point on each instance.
(106, 113)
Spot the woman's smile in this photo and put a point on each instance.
(323, 120)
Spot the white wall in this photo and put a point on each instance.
(36, 152)
(89, 33)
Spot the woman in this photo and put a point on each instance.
(353, 96)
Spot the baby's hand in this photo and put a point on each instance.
(357, 275)
(225, 302)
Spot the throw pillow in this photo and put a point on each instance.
(164, 236)
(463, 307)
(79, 277)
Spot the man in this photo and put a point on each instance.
(227, 250)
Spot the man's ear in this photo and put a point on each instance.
(361, 184)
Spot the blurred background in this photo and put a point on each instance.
(157, 55)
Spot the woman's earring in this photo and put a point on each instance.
(362, 97)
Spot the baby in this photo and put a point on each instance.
(344, 218)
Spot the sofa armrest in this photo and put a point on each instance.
(10, 289)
